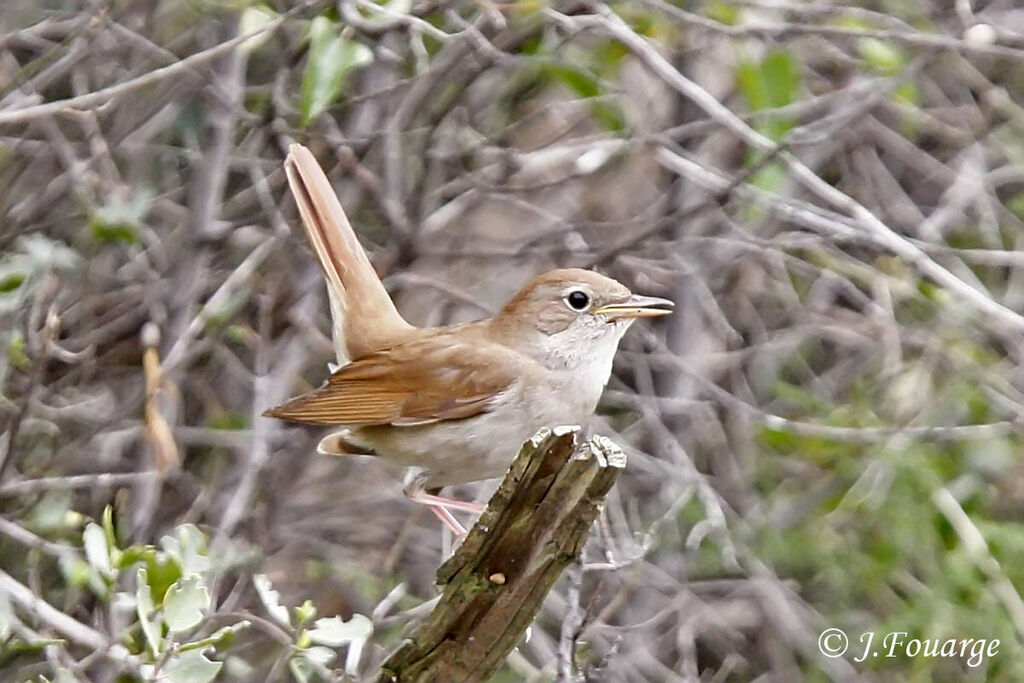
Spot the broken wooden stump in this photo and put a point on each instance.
(492, 587)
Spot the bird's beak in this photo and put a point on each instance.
(637, 306)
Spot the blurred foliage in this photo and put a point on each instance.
(822, 436)
(332, 56)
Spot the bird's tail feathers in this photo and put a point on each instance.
(362, 310)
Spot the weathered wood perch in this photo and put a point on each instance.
(535, 524)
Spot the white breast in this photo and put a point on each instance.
(564, 390)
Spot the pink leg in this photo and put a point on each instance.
(421, 496)
(448, 519)
(415, 491)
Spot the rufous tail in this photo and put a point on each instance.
(365, 319)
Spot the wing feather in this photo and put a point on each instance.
(427, 380)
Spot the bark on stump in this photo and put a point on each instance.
(535, 524)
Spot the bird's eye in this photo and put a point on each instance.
(577, 300)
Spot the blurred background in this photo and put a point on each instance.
(826, 433)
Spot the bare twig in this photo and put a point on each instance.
(74, 630)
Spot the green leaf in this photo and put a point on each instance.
(42, 252)
(97, 552)
(108, 527)
(303, 640)
(185, 603)
(781, 77)
(11, 279)
(120, 219)
(16, 352)
(609, 116)
(191, 666)
(335, 631)
(108, 233)
(882, 55)
(605, 112)
(769, 84)
(78, 573)
(332, 56)
(222, 637)
(162, 569)
(723, 12)
(51, 512)
(770, 177)
(320, 655)
(133, 554)
(577, 80)
(145, 608)
(253, 19)
(188, 547)
(305, 612)
(271, 599)
(907, 93)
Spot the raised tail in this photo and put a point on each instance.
(364, 317)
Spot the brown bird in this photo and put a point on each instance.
(454, 404)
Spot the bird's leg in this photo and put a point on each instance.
(416, 491)
(448, 519)
(429, 498)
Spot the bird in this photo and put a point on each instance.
(452, 404)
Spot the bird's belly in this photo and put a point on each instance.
(452, 451)
(482, 446)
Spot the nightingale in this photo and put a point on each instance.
(453, 404)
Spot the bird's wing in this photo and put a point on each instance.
(419, 382)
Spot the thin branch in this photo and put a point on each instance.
(74, 630)
(104, 95)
